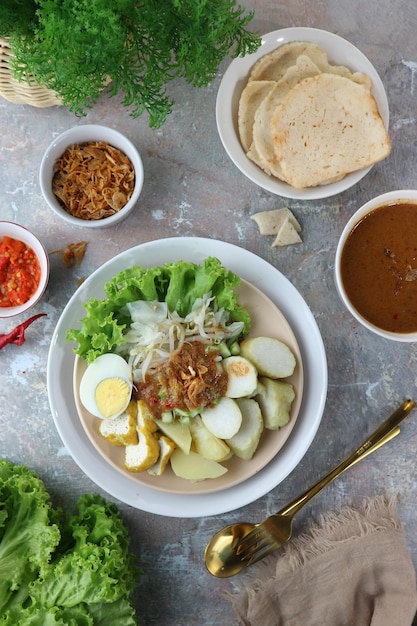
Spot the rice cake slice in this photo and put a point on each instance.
(252, 96)
(270, 222)
(327, 126)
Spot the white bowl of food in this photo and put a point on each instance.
(376, 265)
(91, 176)
(24, 269)
(277, 139)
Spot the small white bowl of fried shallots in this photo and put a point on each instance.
(91, 176)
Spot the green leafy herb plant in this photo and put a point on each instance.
(76, 47)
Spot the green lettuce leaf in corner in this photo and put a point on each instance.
(29, 533)
(61, 570)
(179, 284)
(117, 613)
(92, 563)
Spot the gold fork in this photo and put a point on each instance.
(270, 534)
(241, 545)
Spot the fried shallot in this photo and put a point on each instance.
(93, 180)
(189, 379)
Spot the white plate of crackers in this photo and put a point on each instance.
(306, 116)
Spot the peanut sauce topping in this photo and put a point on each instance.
(191, 378)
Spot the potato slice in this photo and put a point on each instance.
(178, 432)
(246, 440)
(193, 466)
(205, 443)
(242, 376)
(224, 419)
(270, 356)
(275, 401)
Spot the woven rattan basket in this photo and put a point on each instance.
(21, 92)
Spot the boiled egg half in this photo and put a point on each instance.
(106, 386)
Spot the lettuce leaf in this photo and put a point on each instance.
(29, 533)
(61, 569)
(178, 284)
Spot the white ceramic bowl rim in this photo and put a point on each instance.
(340, 52)
(82, 134)
(391, 197)
(17, 231)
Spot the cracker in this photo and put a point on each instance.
(287, 235)
(262, 149)
(252, 96)
(273, 66)
(343, 131)
(270, 222)
(292, 146)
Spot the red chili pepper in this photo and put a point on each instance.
(17, 335)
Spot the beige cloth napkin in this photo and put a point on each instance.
(352, 568)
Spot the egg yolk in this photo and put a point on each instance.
(112, 396)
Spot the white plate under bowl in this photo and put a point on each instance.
(267, 320)
(269, 281)
(339, 52)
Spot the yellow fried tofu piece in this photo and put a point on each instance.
(166, 448)
(141, 456)
(121, 430)
(145, 417)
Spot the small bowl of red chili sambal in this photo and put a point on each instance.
(376, 265)
(24, 269)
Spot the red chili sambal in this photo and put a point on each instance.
(20, 272)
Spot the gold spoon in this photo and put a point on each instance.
(223, 556)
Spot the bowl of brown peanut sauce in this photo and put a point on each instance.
(376, 265)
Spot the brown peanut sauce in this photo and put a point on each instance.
(189, 379)
(379, 267)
